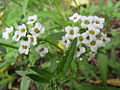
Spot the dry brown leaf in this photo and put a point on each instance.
(76, 3)
(113, 82)
(95, 82)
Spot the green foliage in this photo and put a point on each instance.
(102, 65)
(60, 68)
(68, 58)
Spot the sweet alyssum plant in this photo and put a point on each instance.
(27, 35)
(89, 35)
(82, 39)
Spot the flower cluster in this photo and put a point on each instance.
(88, 33)
(27, 34)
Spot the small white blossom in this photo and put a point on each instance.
(22, 30)
(79, 51)
(94, 44)
(37, 30)
(24, 47)
(82, 38)
(75, 18)
(86, 21)
(72, 32)
(32, 39)
(98, 22)
(9, 30)
(32, 19)
(5, 35)
(93, 31)
(16, 36)
(41, 50)
(105, 39)
(91, 55)
(65, 42)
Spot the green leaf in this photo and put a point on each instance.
(37, 78)
(67, 59)
(102, 65)
(24, 83)
(25, 3)
(22, 73)
(115, 42)
(42, 73)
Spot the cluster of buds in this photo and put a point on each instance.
(88, 33)
(27, 35)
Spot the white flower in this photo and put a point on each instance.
(65, 42)
(37, 30)
(98, 22)
(24, 47)
(93, 31)
(32, 39)
(16, 36)
(9, 30)
(75, 18)
(72, 32)
(22, 30)
(91, 55)
(86, 21)
(5, 35)
(41, 50)
(32, 19)
(105, 39)
(94, 44)
(79, 51)
(82, 38)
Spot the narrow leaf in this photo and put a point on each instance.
(25, 3)
(42, 73)
(37, 78)
(68, 57)
(24, 83)
(102, 65)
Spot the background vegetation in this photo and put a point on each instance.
(101, 73)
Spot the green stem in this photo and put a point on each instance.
(7, 45)
(50, 43)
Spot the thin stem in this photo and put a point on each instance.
(50, 43)
(7, 45)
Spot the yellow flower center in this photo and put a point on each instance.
(72, 32)
(31, 19)
(93, 43)
(22, 30)
(97, 22)
(31, 39)
(24, 47)
(92, 32)
(36, 30)
(81, 38)
(87, 22)
(75, 17)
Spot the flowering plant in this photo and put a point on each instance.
(27, 35)
(82, 38)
